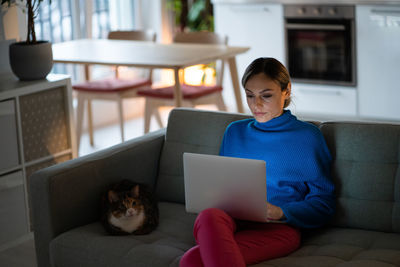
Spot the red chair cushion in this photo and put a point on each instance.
(111, 85)
(188, 91)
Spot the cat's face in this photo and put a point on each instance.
(125, 204)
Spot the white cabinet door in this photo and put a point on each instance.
(378, 61)
(9, 156)
(258, 26)
(324, 100)
(13, 217)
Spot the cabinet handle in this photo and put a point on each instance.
(304, 26)
(320, 92)
(249, 9)
(385, 12)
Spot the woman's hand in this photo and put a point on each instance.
(274, 213)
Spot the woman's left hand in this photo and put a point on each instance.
(274, 213)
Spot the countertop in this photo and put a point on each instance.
(320, 2)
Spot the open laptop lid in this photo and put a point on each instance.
(235, 185)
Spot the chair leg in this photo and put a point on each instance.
(158, 117)
(90, 122)
(147, 116)
(79, 115)
(220, 102)
(121, 118)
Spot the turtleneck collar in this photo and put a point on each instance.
(275, 123)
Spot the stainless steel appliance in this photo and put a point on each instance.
(320, 44)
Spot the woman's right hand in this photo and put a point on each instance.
(274, 213)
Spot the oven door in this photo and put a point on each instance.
(321, 51)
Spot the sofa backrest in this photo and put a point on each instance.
(365, 167)
(366, 172)
(193, 131)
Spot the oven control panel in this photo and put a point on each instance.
(319, 11)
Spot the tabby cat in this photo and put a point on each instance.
(129, 208)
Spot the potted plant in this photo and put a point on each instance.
(194, 17)
(198, 16)
(30, 59)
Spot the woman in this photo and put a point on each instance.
(300, 193)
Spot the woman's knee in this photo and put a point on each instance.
(214, 218)
(293, 237)
(296, 237)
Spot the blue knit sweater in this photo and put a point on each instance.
(297, 165)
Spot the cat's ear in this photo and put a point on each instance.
(112, 196)
(135, 191)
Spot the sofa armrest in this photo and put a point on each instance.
(67, 195)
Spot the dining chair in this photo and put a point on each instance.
(113, 89)
(192, 95)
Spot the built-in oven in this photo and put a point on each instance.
(320, 44)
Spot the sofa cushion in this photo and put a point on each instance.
(341, 247)
(366, 172)
(193, 131)
(90, 245)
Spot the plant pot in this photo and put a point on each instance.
(31, 61)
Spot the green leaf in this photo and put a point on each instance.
(195, 11)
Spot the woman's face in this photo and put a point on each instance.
(265, 97)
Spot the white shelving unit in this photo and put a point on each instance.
(37, 131)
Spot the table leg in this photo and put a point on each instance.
(235, 83)
(178, 91)
(79, 115)
(89, 108)
(87, 72)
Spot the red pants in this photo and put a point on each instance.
(222, 241)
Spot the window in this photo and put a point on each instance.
(55, 23)
(101, 18)
(66, 20)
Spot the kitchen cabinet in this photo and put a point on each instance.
(378, 57)
(259, 26)
(37, 131)
(13, 215)
(324, 100)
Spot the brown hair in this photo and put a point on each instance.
(273, 69)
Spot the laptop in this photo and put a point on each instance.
(235, 185)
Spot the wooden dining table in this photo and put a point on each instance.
(150, 55)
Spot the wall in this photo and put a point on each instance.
(13, 23)
(12, 28)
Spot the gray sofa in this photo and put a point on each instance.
(65, 198)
